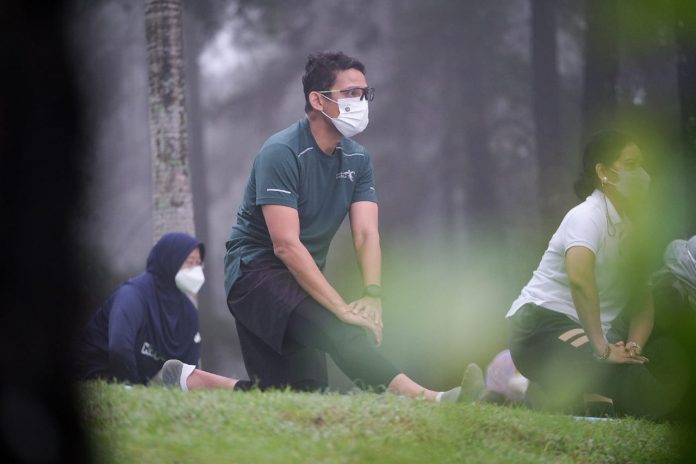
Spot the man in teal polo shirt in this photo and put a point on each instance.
(304, 181)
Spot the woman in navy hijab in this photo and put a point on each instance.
(149, 319)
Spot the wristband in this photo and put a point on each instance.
(604, 356)
(374, 291)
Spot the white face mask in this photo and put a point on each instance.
(632, 184)
(190, 280)
(353, 116)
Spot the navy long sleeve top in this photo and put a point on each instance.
(146, 321)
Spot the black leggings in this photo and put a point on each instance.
(311, 327)
(349, 346)
(553, 351)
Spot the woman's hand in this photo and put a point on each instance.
(620, 354)
(634, 348)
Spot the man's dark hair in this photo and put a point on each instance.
(321, 69)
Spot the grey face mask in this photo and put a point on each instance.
(632, 184)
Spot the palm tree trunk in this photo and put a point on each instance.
(171, 176)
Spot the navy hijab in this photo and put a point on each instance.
(170, 312)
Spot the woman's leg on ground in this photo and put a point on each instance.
(652, 389)
(199, 379)
(554, 352)
(176, 374)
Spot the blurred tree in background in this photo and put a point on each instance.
(171, 184)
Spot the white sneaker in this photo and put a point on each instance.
(169, 375)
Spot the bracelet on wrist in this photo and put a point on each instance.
(604, 356)
(374, 291)
(633, 346)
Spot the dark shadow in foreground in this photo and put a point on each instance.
(39, 198)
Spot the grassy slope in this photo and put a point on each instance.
(156, 425)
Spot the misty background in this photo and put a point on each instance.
(476, 136)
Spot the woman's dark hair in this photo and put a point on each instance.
(603, 147)
(320, 72)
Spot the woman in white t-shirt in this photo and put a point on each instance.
(562, 333)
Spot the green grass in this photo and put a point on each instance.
(153, 425)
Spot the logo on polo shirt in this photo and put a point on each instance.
(350, 175)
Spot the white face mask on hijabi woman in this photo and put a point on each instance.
(353, 115)
(190, 279)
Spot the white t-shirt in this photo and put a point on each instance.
(586, 226)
